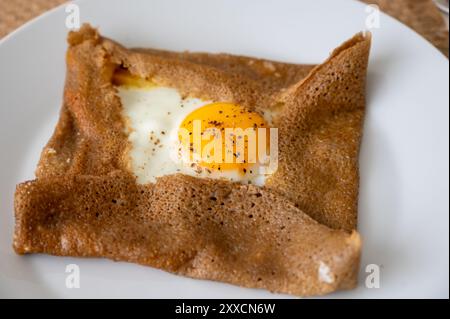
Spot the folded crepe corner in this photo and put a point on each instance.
(295, 235)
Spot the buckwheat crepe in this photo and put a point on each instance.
(295, 235)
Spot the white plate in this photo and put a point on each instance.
(404, 197)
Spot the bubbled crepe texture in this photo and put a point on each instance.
(85, 200)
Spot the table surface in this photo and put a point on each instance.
(421, 15)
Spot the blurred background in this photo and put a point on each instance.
(427, 17)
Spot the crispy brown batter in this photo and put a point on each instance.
(200, 228)
(85, 202)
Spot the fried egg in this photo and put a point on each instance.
(170, 134)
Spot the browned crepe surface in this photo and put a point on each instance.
(85, 202)
(203, 229)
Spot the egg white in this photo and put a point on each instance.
(153, 116)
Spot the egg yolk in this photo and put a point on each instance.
(230, 128)
(123, 77)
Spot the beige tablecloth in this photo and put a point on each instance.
(420, 15)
